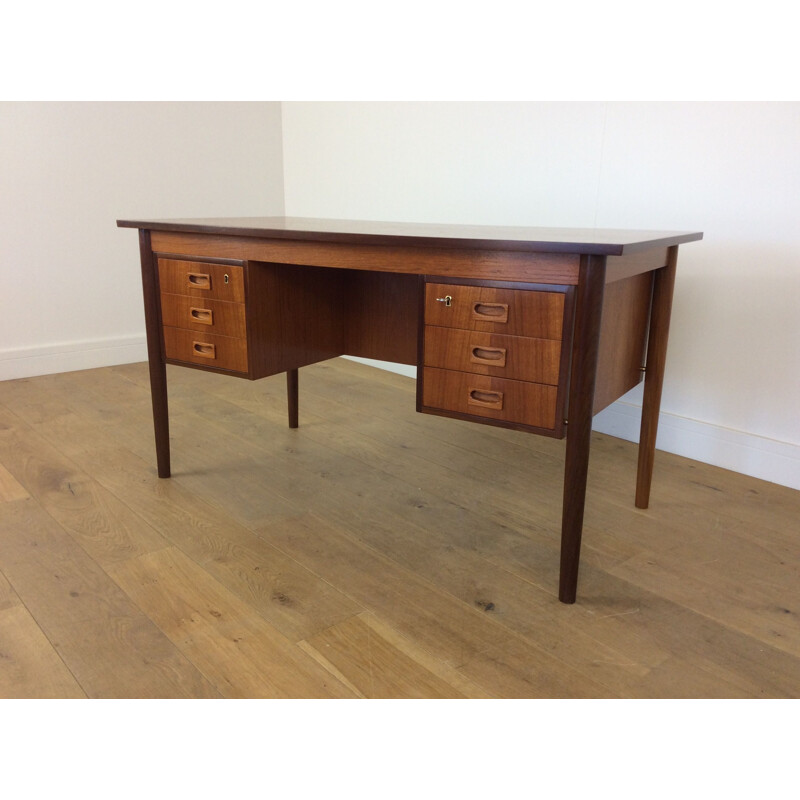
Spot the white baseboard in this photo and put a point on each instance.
(389, 366)
(766, 459)
(71, 356)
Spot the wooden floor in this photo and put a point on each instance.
(373, 552)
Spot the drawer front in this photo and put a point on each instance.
(516, 357)
(205, 349)
(514, 312)
(198, 279)
(501, 399)
(203, 314)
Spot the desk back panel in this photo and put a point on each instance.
(381, 315)
(300, 315)
(295, 316)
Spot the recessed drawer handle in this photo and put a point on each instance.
(490, 312)
(204, 315)
(493, 356)
(199, 280)
(205, 350)
(478, 397)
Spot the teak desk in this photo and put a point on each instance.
(534, 329)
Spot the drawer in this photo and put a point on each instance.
(203, 314)
(205, 349)
(516, 357)
(199, 279)
(515, 312)
(485, 396)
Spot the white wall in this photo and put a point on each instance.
(732, 170)
(71, 284)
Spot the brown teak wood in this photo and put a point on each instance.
(203, 348)
(623, 336)
(204, 315)
(495, 310)
(663, 287)
(537, 329)
(520, 402)
(158, 368)
(585, 351)
(201, 279)
(489, 265)
(293, 397)
(516, 357)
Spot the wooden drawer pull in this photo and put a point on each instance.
(204, 315)
(478, 397)
(199, 280)
(490, 312)
(204, 349)
(493, 356)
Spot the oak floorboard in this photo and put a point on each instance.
(113, 409)
(289, 596)
(519, 495)
(304, 467)
(293, 599)
(462, 635)
(231, 644)
(529, 479)
(111, 648)
(605, 644)
(106, 528)
(757, 608)
(30, 668)
(449, 528)
(470, 581)
(8, 597)
(10, 487)
(601, 548)
(374, 665)
(433, 538)
(182, 510)
(612, 464)
(604, 522)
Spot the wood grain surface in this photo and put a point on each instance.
(372, 552)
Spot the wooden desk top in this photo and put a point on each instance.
(583, 241)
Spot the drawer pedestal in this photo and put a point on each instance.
(496, 353)
(203, 314)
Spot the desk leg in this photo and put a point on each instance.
(661, 310)
(292, 393)
(158, 369)
(585, 348)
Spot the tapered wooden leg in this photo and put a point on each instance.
(663, 288)
(158, 369)
(585, 348)
(292, 393)
(158, 391)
